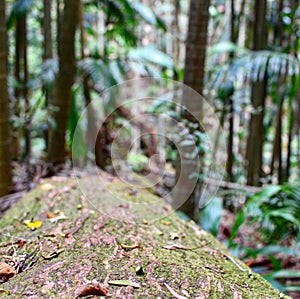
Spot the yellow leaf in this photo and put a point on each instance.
(46, 187)
(128, 247)
(165, 222)
(33, 225)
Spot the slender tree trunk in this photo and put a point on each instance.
(65, 78)
(258, 94)
(230, 156)
(278, 30)
(25, 96)
(194, 78)
(92, 127)
(291, 120)
(277, 145)
(5, 142)
(48, 54)
(176, 40)
(17, 136)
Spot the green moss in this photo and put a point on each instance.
(95, 253)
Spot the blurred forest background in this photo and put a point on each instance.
(242, 56)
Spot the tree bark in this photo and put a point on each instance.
(48, 54)
(65, 78)
(5, 142)
(258, 94)
(194, 78)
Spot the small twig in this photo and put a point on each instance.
(174, 293)
(233, 186)
(181, 247)
(238, 266)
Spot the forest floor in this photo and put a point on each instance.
(57, 244)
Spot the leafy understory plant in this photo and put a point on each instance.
(277, 210)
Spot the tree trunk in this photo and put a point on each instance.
(277, 143)
(5, 154)
(176, 39)
(48, 54)
(230, 142)
(258, 95)
(65, 78)
(92, 127)
(194, 78)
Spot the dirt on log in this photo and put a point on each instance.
(63, 246)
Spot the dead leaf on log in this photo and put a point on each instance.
(174, 293)
(89, 289)
(49, 215)
(52, 254)
(6, 272)
(129, 247)
(124, 283)
(4, 291)
(61, 216)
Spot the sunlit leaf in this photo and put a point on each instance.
(151, 54)
(33, 225)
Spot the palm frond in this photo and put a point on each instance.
(19, 9)
(149, 54)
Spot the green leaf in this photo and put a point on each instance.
(225, 47)
(274, 283)
(238, 222)
(285, 274)
(285, 214)
(294, 289)
(273, 249)
(145, 12)
(211, 216)
(148, 15)
(152, 55)
(266, 193)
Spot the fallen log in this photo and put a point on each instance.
(66, 245)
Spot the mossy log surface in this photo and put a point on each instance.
(166, 258)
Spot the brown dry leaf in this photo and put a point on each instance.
(174, 293)
(53, 254)
(4, 291)
(6, 272)
(50, 215)
(92, 288)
